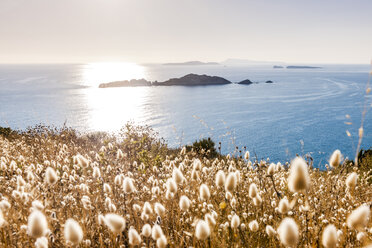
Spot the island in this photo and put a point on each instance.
(187, 80)
(302, 67)
(126, 83)
(247, 82)
(193, 63)
(194, 79)
(278, 67)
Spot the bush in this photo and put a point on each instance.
(5, 131)
(365, 158)
(141, 144)
(204, 147)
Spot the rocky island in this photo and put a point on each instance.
(247, 82)
(126, 83)
(193, 63)
(188, 80)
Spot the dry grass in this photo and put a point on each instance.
(91, 183)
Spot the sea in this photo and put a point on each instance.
(304, 111)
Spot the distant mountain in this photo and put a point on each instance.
(193, 63)
(188, 80)
(302, 67)
(246, 62)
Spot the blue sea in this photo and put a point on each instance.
(302, 112)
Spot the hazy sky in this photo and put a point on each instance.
(325, 31)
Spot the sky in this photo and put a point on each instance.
(151, 31)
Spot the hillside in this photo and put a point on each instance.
(97, 190)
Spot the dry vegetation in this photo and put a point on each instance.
(59, 189)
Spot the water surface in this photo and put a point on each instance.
(303, 111)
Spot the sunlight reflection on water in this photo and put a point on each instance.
(109, 108)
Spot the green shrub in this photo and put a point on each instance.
(203, 147)
(6, 131)
(141, 144)
(365, 162)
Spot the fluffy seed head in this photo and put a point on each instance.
(283, 206)
(37, 205)
(299, 176)
(202, 230)
(210, 219)
(50, 176)
(271, 169)
(134, 237)
(253, 226)
(96, 172)
(288, 232)
(171, 186)
(115, 223)
(246, 155)
(361, 236)
(335, 159)
(231, 182)
(329, 238)
(257, 200)
(41, 242)
(128, 185)
(4, 205)
(146, 230)
(73, 232)
(106, 188)
(253, 190)
(118, 180)
(197, 165)
(2, 220)
(20, 181)
(37, 224)
(101, 219)
(194, 175)
(235, 222)
(270, 231)
(119, 154)
(184, 203)
(162, 242)
(183, 151)
(220, 178)
(177, 175)
(82, 161)
(352, 180)
(359, 218)
(204, 192)
(147, 209)
(156, 232)
(159, 209)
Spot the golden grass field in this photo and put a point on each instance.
(59, 189)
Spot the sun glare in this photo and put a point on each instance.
(110, 109)
(97, 73)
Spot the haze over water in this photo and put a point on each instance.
(302, 112)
